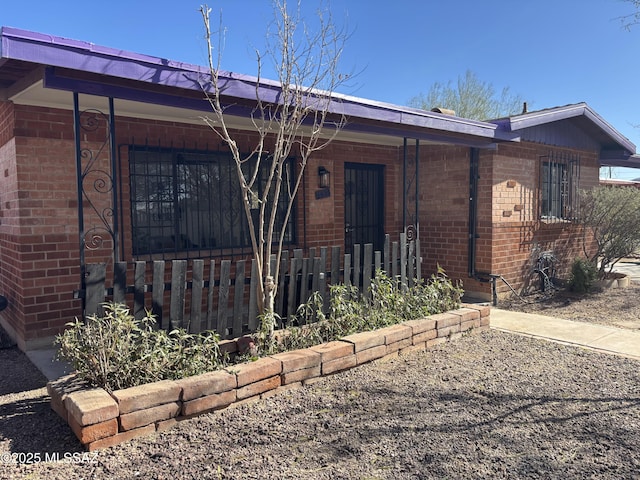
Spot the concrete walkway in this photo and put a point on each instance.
(602, 338)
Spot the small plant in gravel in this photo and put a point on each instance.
(116, 351)
(583, 274)
(388, 303)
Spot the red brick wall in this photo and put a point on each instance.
(509, 229)
(39, 229)
(444, 210)
(38, 207)
(518, 233)
(325, 217)
(39, 252)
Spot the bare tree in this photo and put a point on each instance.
(297, 121)
(469, 97)
(631, 19)
(610, 217)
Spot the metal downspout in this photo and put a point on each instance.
(76, 133)
(117, 248)
(473, 210)
(474, 176)
(404, 184)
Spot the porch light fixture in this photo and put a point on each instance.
(323, 177)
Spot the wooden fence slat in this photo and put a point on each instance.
(403, 260)
(366, 270)
(138, 290)
(223, 298)
(356, 267)
(347, 270)
(272, 263)
(315, 279)
(197, 284)
(299, 277)
(238, 300)
(178, 286)
(157, 293)
(335, 265)
(394, 260)
(323, 258)
(387, 254)
(119, 282)
(296, 266)
(284, 270)
(95, 278)
(211, 323)
(307, 271)
(252, 314)
(322, 278)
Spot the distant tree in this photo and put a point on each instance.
(470, 97)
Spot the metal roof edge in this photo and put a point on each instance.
(78, 55)
(554, 114)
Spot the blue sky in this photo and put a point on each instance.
(550, 52)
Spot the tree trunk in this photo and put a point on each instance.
(269, 304)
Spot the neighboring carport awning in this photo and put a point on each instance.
(619, 159)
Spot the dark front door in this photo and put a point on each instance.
(363, 205)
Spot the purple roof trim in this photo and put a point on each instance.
(540, 117)
(61, 52)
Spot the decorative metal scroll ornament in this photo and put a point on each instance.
(410, 197)
(96, 181)
(411, 233)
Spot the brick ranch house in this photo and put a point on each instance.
(484, 198)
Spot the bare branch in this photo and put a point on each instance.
(302, 120)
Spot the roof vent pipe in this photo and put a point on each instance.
(445, 111)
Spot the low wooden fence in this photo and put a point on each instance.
(206, 295)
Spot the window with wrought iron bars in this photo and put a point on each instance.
(559, 186)
(185, 201)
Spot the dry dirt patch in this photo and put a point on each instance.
(618, 307)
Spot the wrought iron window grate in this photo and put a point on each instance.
(559, 186)
(190, 201)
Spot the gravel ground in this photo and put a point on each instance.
(491, 405)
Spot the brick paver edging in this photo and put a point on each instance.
(100, 419)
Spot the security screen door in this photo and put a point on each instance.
(363, 205)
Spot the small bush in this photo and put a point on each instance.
(611, 217)
(388, 304)
(116, 351)
(583, 274)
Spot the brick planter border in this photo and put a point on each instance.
(100, 419)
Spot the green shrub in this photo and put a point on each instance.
(583, 274)
(388, 304)
(116, 351)
(611, 217)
